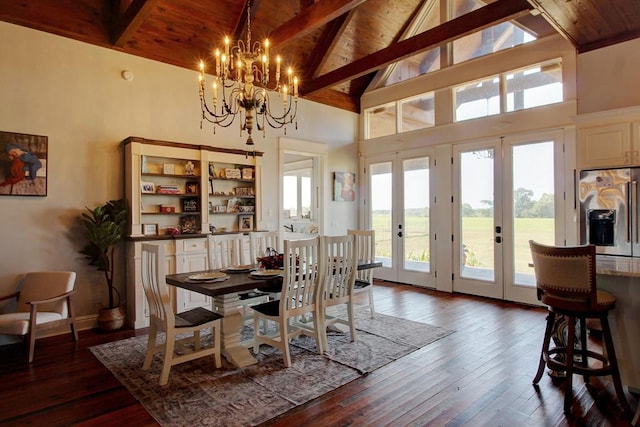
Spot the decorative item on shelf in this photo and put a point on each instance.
(219, 209)
(168, 169)
(242, 191)
(192, 187)
(246, 208)
(147, 187)
(247, 173)
(167, 209)
(232, 205)
(232, 173)
(189, 168)
(190, 204)
(104, 227)
(172, 231)
(236, 68)
(245, 222)
(189, 224)
(150, 229)
(168, 189)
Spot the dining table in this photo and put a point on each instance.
(226, 299)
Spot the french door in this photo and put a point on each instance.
(509, 191)
(399, 205)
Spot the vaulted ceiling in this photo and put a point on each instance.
(336, 45)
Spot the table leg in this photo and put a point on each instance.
(232, 348)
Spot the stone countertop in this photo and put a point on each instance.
(617, 266)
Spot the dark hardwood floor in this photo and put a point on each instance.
(478, 376)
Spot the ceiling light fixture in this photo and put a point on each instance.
(242, 75)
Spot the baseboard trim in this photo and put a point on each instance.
(82, 324)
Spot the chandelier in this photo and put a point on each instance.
(242, 76)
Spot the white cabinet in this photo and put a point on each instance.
(609, 139)
(607, 145)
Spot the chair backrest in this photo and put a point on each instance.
(365, 251)
(261, 240)
(227, 250)
(301, 276)
(338, 254)
(154, 284)
(44, 285)
(565, 275)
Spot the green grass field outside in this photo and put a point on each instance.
(478, 235)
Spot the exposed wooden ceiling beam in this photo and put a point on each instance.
(492, 14)
(135, 15)
(310, 19)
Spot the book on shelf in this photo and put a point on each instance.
(168, 189)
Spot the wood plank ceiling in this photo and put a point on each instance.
(336, 45)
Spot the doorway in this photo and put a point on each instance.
(301, 193)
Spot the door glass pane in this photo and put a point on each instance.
(533, 204)
(416, 214)
(381, 210)
(476, 215)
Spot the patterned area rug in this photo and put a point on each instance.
(199, 394)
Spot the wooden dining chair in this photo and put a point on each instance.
(302, 276)
(566, 284)
(262, 241)
(365, 241)
(229, 250)
(162, 318)
(339, 262)
(43, 302)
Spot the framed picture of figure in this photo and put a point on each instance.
(23, 164)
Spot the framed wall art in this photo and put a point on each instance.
(344, 186)
(23, 164)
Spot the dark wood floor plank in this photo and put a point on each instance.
(479, 375)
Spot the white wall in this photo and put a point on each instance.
(608, 78)
(73, 93)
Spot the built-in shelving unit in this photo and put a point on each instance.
(170, 188)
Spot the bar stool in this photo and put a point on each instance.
(566, 283)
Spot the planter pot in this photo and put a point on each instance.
(111, 319)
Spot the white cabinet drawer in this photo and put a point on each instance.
(194, 245)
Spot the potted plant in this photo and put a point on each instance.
(105, 226)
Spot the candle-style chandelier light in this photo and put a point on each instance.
(242, 75)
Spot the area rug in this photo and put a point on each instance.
(199, 394)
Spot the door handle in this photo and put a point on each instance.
(498, 239)
(399, 233)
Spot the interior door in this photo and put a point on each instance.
(400, 200)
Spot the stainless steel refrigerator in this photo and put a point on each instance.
(609, 210)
